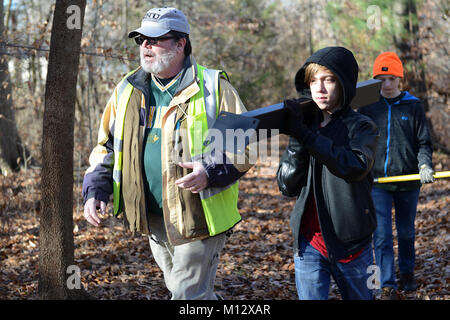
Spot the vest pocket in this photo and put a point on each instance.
(193, 219)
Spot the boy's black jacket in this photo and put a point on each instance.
(335, 163)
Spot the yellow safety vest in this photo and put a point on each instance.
(219, 204)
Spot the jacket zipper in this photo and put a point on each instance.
(388, 138)
(142, 158)
(313, 168)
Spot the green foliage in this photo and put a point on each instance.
(369, 27)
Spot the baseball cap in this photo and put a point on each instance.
(159, 21)
(388, 63)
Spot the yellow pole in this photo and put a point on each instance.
(410, 177)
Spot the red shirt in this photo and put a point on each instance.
(310, 229)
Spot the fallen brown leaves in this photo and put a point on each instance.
(256, 263)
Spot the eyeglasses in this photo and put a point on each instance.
(151, 41)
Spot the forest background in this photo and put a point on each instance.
(260, 44)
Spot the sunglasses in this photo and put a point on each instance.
(151, 41)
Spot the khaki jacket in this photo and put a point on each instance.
(183, 214)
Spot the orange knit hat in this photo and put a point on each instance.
(388, 63)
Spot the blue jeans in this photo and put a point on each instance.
(313, 271)
(405, 203)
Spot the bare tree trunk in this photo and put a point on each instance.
(17, 62)
(10, 143)
(310, 26)
(56, 256)
(407, 41)
(7, 15)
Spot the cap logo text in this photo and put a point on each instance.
(151, 16)
(384, 69)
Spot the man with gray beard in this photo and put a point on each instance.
(150, 156)
(161, 62)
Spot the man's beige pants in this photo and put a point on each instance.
(190, 269)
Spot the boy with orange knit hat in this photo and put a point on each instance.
(404, 147)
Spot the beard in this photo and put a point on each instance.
(161, 61)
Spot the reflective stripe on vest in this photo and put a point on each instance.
(123, 97)
(210, 90)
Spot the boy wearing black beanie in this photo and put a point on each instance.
(327, 166)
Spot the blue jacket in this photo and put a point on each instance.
(404, 144)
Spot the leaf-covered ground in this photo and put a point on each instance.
(256, 263)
